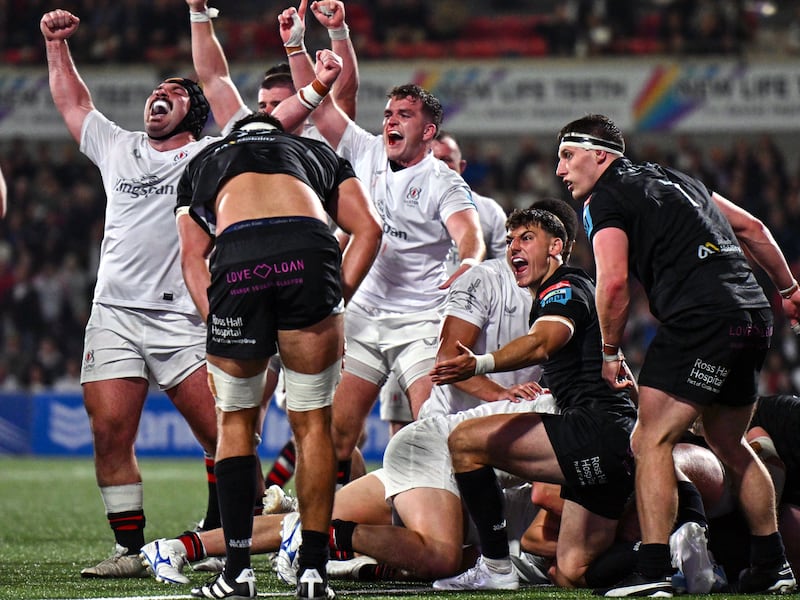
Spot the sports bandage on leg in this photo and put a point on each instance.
(235, 393)
(765, 449)
(122, 498)
(306, 391)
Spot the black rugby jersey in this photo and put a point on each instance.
(681, 246)
(574, 373)
(258, 151)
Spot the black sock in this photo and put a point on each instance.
(194, 547)
(236, 486)
(340, 539)
(767, 550)
(283, 467)
(690, 505)
(380, 572)
(654, 561)
(612, 566)
(128, 527)
(211, 520)
(313, 552)
(343, 471)
(481, 493)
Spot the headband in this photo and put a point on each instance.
(257, 126)
(591, 142)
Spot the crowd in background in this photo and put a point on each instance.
(49, 241)
(128, 31)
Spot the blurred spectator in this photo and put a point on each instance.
(560, 30)
(156, 31)
(400, 21)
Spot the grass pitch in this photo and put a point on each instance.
(52, 525)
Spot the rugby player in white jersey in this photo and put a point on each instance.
(394, 404)
(393, 320)
(143, 327)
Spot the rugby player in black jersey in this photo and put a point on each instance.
(689, 247)
(277, 280)
(585, 448)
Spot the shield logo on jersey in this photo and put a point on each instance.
(413, 194)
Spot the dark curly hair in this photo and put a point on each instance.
(548, 221)
(430, 103)
(258, 117)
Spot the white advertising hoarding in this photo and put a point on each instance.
(500, 98)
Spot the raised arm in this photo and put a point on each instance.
(295, 109)
(70, 94)
(331, 15)
(211, 65)
(329, 118)
(353, 213)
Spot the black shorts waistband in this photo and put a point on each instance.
(269, 221)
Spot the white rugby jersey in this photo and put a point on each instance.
(493, 223)
(139, 256)
(488, 297)
(414, 203)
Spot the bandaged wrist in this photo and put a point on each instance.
(311, 95)
(613, 357)
(789, 292)
(295, 42)
(484, 363)
(340, 33)
(292, 50)
(470, 261)
(203, 17)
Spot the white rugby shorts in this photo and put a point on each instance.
(394, 402)
(163, 347)
(380, 341)
(417, 456)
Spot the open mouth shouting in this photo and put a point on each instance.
(393, 137)
(519, 266)
(160, 107)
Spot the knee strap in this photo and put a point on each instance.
(235, 393)
(306, 391)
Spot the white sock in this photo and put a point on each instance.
(498, 565)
